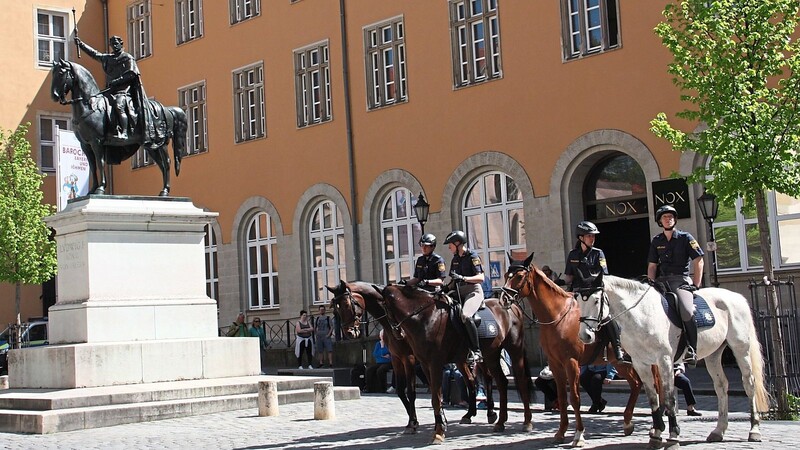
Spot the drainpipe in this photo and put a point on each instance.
(105, 42)
(350, 150)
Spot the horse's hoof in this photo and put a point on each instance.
(714, 437)
(498, 427)
(654, 443)
(558, 439)
(754, 437)
(527, 427)
(410, 430)
(578, 440)
(672, 444)
(491, 417)
(437, 439)
(465, 420)
(627, 429)
(675, 432)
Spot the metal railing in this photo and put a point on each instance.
(280, 333)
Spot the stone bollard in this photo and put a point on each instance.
(3, 382)
(267, 398)
(323, 401)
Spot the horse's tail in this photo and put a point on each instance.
(757, 363)
(179, 127)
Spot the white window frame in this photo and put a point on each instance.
(242, 10)
(313, 84)
(479, 239)
(52, 40)
(50, 145)
(741, 223)
(188, 20)
(581, 18)
(475, 26)
(399, 221)
(262, 243)
(249, 113)
(324, 272)
(212, 263)
(140, 29)
(192, 99)
(385, 62)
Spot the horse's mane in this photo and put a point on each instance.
(632, 286)
(549, 284)
(82, 73)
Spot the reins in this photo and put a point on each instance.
(610, 318)
(396, 326)
(515, 295)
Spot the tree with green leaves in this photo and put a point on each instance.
(27, 254)
(736, 63)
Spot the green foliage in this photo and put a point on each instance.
(27, 254)
(736, 63)
(793, 412)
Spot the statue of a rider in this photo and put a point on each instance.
(123, 88)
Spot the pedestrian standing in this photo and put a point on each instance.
(304, 331)
(323, 335)
(683, 383)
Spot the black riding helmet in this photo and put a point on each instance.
(454, 236)
(585, 228)
(428, 239)
(664, 210)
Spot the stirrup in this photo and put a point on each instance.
(475, 356)
(623, 358)
(690, 357)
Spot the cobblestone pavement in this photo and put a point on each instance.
(377, 421)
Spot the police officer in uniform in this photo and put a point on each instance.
(467, 272)
(430, 269)
(668, 262)
(584, 261)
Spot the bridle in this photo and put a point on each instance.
(395, 324)
(356, 310)
(515, 269)
(604, 304)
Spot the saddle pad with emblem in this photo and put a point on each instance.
(703, 316)
(488, 328)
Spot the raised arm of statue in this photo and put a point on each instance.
(89, 50)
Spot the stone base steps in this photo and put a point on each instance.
(40, 411)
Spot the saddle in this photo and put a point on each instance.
(703, 316)
(484, 320)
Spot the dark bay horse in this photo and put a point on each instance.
(350, 301)
(90, 119)
(559, 317)
(425, 319)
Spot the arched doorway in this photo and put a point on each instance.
(615, 195)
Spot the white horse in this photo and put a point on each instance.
(651, 339)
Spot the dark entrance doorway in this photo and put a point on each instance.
(625, 244)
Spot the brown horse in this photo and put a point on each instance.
(350, 301)
(559, 317)
(427, 320)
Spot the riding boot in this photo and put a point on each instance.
(613, 335)
(122, 129)
(474, 344)
(690, 328)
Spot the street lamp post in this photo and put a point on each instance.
(421, 209)
(709, 208)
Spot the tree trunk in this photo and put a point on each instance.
(774, 309)
(18, 327)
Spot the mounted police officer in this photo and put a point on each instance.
(430, 268)
(668, 262)
(585, 261)
(123, 83)
(467, 272)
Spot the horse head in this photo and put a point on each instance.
(62, 81)
(593, 304)
(349, 310)
(517, 284)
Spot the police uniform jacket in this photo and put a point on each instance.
(430, 267)
(467, 265)
(673, 255)
(591, 262)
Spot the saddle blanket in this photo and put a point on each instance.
(703, 316)
(488, 328)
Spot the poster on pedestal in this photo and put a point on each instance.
(72, 169)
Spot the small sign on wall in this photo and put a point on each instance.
(673, 192)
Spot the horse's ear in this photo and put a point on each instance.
(342, 285)
(510, 258)
(528, 260)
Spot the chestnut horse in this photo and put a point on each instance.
(559, 317)
(427, 322)
(349, 302)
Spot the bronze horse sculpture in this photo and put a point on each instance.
(350, 302)
(559, 316)
(90, 118)
(425, 319)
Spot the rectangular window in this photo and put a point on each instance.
(313, 84)
(248, 99)
(242, 10)
(51, 37)
(193, 101)
(188, 20)
(385, 55)
(475, 35)
(140, 29)
(589, 27)
(48, 132)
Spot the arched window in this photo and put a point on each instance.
(326, 241)
(400, 232)
(616, 187)
(262, 263)
(494, 222)
(212, 275)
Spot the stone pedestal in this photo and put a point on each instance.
(132, 305)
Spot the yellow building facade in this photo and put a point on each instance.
(315, 125)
